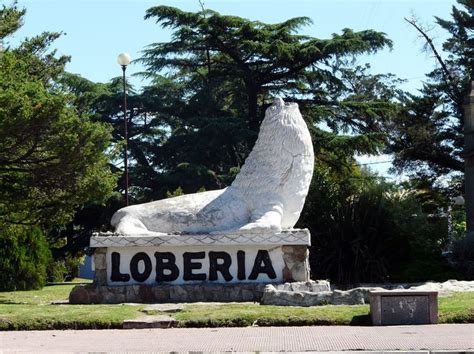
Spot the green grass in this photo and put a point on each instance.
(457, 308)
(245, 314)
(33, 310)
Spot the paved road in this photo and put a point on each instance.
(250, 339)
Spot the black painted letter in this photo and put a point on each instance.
(189, 265)
(140, 256)
(241, 265)
(116, 275)
(215, 267)
(166, 261)
(266, 267)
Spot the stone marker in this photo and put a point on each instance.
(403, 307)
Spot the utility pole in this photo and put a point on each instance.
(469, 160)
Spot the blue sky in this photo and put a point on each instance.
(96, 31)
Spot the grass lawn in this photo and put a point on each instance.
(30, 310)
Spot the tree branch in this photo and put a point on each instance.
(446, 73)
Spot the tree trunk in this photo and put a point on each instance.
(469, 161)
(252, 94)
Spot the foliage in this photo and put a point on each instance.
(195, 123)
(427, 134)
(264, 57)
(65, 268)
(176, 193)
(52, 158)
(24, 258)
(463, 257)
(369, 231)
(33, 310)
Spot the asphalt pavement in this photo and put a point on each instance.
(452, 337)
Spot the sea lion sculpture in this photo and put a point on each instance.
(267, 195)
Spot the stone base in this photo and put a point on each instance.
(185, 259)
(192, 268)
(204, 292)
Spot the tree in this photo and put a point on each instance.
(427, 134)
(213, 81)
(52, 158)
(266, 58)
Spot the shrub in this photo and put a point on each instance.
(463, 257)
(66, 268)
(358, 243)
(372, 232)
(24, 258)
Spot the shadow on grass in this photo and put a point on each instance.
(10, 302)
(361, 320)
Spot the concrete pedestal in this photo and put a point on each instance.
(403, 307)
(190, 268)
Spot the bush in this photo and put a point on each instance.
(435, 268)
(463, 257)
(65, 269)
(24, 258)
(372, 232)
(359, 242)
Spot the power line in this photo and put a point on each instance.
(375, 163)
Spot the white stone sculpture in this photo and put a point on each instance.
(266, 196)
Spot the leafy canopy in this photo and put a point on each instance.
(427, 135)
(52, 158)
(196, 122)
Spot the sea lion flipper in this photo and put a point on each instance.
(265, 219)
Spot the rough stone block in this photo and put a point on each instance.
(100, 259)
(87, 294)
(300, 253)
(161, 294)
(150, 322)
(100, 277)
(300, 272)
(320, 285)
(297, 294)
(79, 295)
(287, 249)
(287, 276)
(289, 260)
(178, 294)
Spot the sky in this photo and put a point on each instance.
(96, 31)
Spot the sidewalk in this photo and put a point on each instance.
(458, 337)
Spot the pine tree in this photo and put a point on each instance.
(213, 81)
(427, 134)
(52, 159)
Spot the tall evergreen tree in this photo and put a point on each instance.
(52, 159)
(427, 134)
(213, 81)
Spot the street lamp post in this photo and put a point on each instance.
(124, 59)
